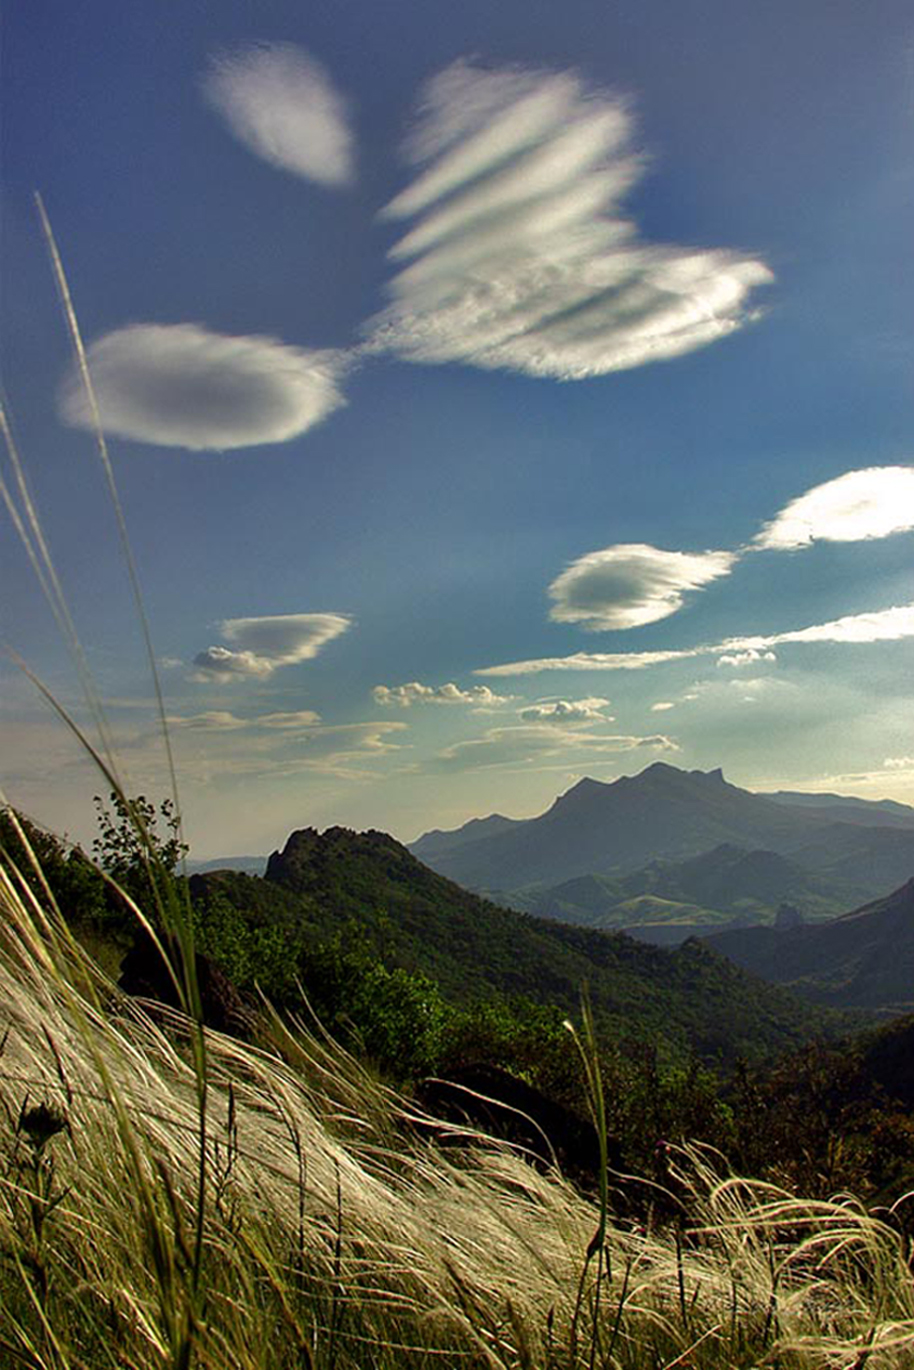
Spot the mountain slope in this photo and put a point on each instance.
(415, 918)
(872, 813)
(864, 959)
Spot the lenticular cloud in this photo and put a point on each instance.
(261, 645)
(282, 105)
(179, 385)
(518, 256)
(631, 584)
(855, 507)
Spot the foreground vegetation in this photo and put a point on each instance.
(171, 1197)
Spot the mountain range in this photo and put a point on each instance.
(673, 851)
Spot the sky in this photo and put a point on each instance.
(496, 395)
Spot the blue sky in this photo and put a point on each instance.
(496, 395)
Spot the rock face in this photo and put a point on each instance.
(143, 975)
(488, 1099)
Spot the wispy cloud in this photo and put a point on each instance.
(631, 584)
(860, 505)
(519, 746)
(220, 743)
(568, 711)
(179, 385)
(261, 645)
(413, 692)
(222, 720)
(519, 257)
(282, 105)
(880, 625)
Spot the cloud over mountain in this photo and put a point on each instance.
(536, 741)
(261, 645)
(282, 105)
(631, 584)
(871, 503)
(519, 257)
(180, 385)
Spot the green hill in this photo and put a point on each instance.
(368, 886)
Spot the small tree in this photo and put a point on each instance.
(130, 848)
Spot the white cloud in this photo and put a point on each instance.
(413, 692)
(569, 711)
(631, 584)
(899, 763)
(662, 706)
(263, 644)
(520, 259)
(179, 385)
(591, 661)
(872, 503)
(535, 741)
(750, 657)
(880, 625)
(282, 105)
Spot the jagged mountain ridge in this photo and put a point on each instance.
(661, 814)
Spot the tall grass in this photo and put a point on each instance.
(174, 1198)
(333, 1237)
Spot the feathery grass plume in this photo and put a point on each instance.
(354, 1244)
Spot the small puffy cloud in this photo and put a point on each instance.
(568, 711)
(282, 105)
(518, 255)
(662, 706)
(872, 503)
(749, 657)
(631, 584)
(899, 763)
(179, 385)
(880, 625)
(413, 692)
(261, 645)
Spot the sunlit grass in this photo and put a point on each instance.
(332, 1237)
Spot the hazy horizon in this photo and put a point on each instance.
(497, 396)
